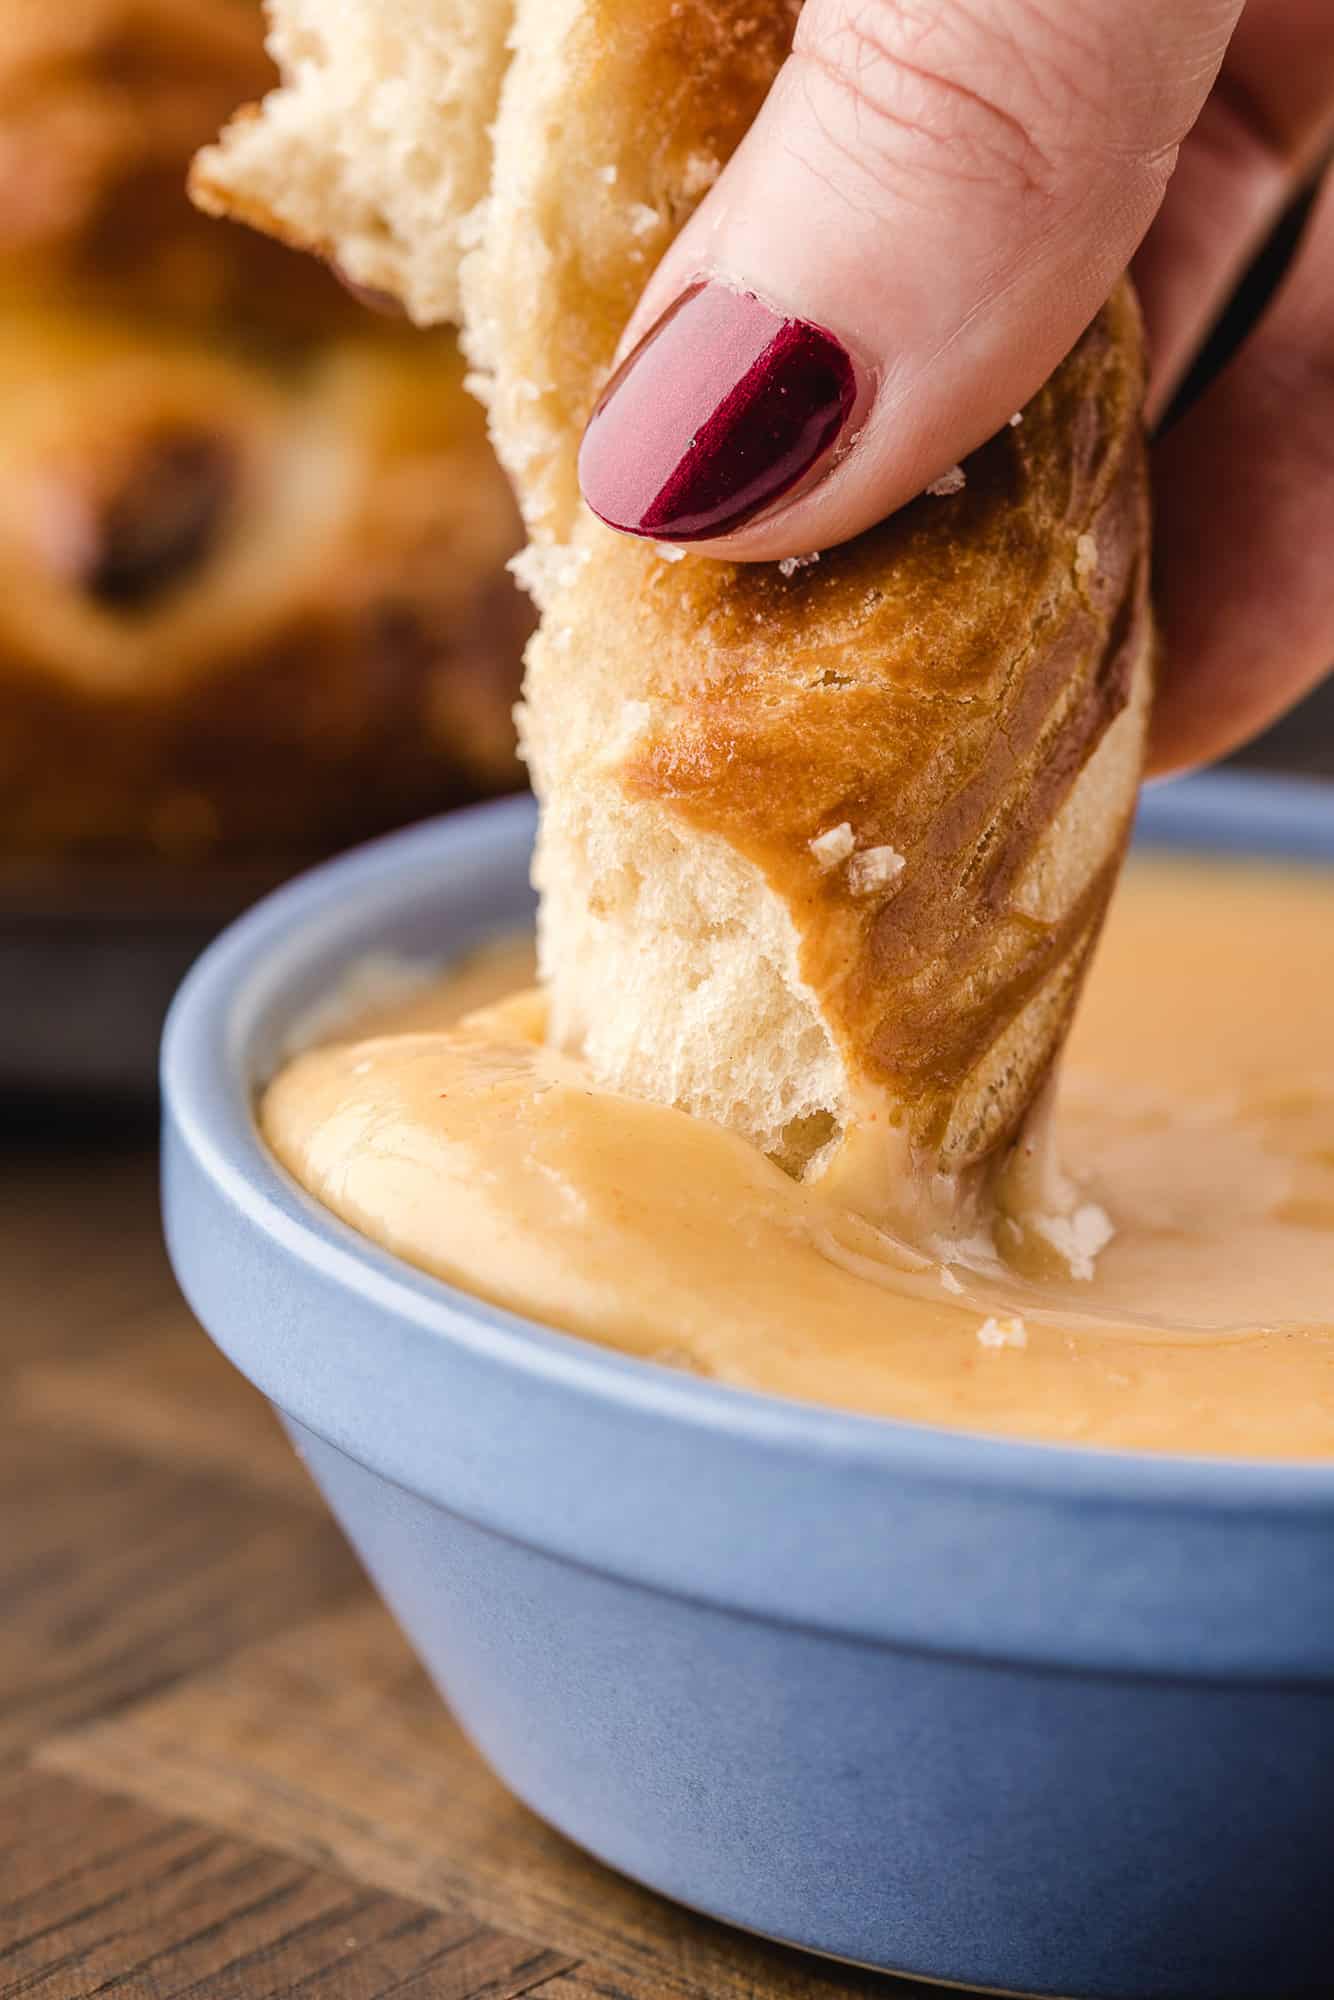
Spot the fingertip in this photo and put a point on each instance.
(724, 409)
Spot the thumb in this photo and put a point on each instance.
(929, 210)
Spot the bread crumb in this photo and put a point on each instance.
(874, 868)
(833, 847)
(543, 570)
(472, 225)
(791, 564)
(949, 482)
(1086, 558)
(478, 382)
(631, 722)
(1002, 1333)
(526, 569)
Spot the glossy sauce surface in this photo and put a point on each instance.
(1196, 1117)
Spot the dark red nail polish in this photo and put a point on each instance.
(723, 407)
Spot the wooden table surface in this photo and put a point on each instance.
(221, 1772)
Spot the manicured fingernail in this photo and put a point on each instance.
(722, 409)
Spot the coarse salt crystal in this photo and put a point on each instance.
(874, 868)
(949, 482)
(643, 219)
(609, 174)
(1086, 558)
(1002, 1333)
(832, 847)
(668, 552)
(1016, 420)
(791, 564)
(1079, 1238)
(699, 174)
(948, 1280)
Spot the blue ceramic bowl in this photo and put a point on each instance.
(1015, 1716)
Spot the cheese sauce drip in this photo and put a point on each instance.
(1187, 1305)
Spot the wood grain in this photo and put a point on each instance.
(165, 1392)
(103, 1895)
(81, 1260)
(118, 1575)
(330, 1744)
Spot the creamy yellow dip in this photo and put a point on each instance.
(1196, 1116)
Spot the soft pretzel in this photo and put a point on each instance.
(840, 841)
(245, 609)
(823, 853)
(252, 541)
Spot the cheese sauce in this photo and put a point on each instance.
(1196, 1116)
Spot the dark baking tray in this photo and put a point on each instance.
(90, 956)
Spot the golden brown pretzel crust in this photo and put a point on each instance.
(939, 685)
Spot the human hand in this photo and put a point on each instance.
(931, 207)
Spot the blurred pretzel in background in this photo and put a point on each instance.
(252, 541)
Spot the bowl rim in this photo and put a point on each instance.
(208, 1099)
